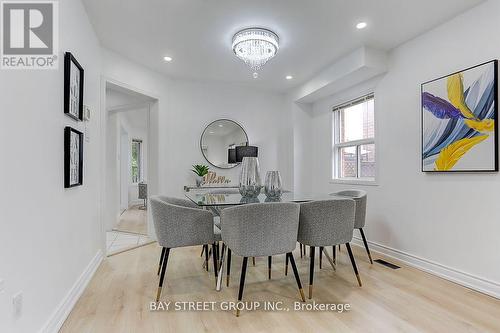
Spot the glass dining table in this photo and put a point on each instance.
(214, 200)
(220, 198)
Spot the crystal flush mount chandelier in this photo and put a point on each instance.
(255, 46)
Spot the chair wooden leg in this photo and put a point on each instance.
(206, 256)
(162, 276)
(366, 245)
(300, 245)
(334, 254)
(286, 265)
(353, 262)
(222, 255)
(253, 261)
(161, 260)
(228, 266)
(202, 250)
(242, 282)
(320, 257)
(214, 257)
(217, 250)
(311, 270)
(289, 256)
(269, 264)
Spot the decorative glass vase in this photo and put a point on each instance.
(250, 184)
(273, 187)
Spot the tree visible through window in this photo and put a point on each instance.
(354, 140)
(136, 161)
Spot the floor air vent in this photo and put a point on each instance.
(387, 264)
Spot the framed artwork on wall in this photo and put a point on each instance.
(73, 157)
(459, 121)
(73, 87)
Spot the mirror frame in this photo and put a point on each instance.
(203, 133)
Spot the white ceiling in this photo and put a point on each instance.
(313, 33)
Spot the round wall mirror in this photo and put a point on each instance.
(219, 140)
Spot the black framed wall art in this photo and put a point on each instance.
(73, 87)
(460, 121)
(73, 157)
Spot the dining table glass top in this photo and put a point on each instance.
(207, 198)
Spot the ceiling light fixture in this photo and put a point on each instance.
(288, 77)
(167, 58)
(255, 46)
(361, 25)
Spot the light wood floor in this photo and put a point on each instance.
(404, 300)
(133, 220)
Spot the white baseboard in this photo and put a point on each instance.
(473, 282)
(64, 308)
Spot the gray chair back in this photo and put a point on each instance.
(360, 197)
(178, 201)
(177, 224)
(326, 222)
(262, 229)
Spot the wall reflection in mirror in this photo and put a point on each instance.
(219, 141)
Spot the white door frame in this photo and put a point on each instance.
(152, 154)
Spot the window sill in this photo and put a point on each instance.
(354, 182)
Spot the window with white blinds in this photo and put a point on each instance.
(354, 140)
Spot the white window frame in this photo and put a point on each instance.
(139, 161)
(337, 146)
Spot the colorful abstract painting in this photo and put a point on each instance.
(459, 121)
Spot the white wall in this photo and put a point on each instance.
(445, 222)
(302, 146)
(48, 234)
(124, 162)
(263, 116)
(186, 108)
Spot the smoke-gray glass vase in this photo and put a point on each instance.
(250, 183)
(272, 186)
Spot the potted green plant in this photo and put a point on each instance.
(200, 170)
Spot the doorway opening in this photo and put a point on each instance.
(127, 138)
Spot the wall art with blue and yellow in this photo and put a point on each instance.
(459, 121)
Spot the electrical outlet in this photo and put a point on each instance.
(2, 286)
(17, 303)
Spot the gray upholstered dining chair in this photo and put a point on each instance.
(260, 230)
(177, 224)
(327, 223)
(190, 204)
(143, 194)
(360, 198)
